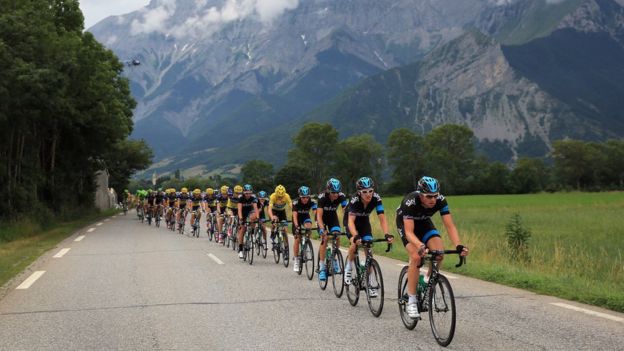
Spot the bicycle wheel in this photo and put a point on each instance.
(442, 310)
(353, 289)
(337, 276)
(323, 283)
(250, 246)
(277, 248)
(408, 322)
(374, 283)
(308, 259)
(257, 241)
(264, 248)
(285, 253)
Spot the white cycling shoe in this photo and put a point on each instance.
(412, 310)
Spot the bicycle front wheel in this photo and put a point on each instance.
(442, 310)
(337, 273)
(408, 322)
(277, 248)
(375, 289)
(308, 259)
(264, 247)
(250, 247)
(285, 253)
(353, 289)
(322, 283)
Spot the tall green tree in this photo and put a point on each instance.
(292, 177)
(405, 155)
(529, 175)
(449, 154)
(314, 149)
(358, 156)
(575, 162)
(124, 159)
(259, 174)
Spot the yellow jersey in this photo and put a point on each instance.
(276, 204)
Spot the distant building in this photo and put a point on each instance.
(105, 197)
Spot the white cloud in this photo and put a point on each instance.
(96, 10)
(207, 20)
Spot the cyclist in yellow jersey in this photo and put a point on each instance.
(196, 201)
(183, 199)
(232, 204)
(222, 200)
(277, 209)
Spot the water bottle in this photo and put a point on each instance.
(421, 282)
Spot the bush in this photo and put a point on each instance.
(518, 239)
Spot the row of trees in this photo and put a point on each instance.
(448, 153)
(65, 110)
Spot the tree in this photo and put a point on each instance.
(449, 154)
(314, 149)
(615, 162)
(575, 162)
(358, 156)
(292, 177)
(127, 157)
(405, 154)
(259, 174)
(528, 176)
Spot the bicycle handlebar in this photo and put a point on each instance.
(462, 259)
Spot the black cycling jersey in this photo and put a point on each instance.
(330, 217)
(246, 202)
(150, 199)
(262, 205)
(356, 208)
(301, 208)
(411, 208)
(159, 198)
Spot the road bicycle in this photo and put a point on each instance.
(157, 218)
(280, 244)
(182, 220)
(251, 229)
(260, 242)
(306, 251)
(367, 276)
(211, 225)
(334, 264)
(195, 225)
(435, 297)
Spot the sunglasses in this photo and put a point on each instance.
(430, 196)
(304, 197)
(247, 193)
(334, 192)
(367, 191)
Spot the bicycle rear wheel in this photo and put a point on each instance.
(308, 259)
(337, 276)
(442, 313)
(264, 248)
(250, 247)
(408, 322)
(285, 252)
(374, 282)
(353, 289)
(257, 241)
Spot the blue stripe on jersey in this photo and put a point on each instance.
(429, 234)
(445, 209)
(380, 208)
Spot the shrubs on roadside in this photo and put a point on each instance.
(518, 237)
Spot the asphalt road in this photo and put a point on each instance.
(126, 286)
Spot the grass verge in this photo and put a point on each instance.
(33, 242)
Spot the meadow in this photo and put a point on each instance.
(576, 247)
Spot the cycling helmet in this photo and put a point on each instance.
(280, 191)
(428, 185)
(196, 192)
(247, 187)
(262, 194)
(209, 191)
(364, 183)
(238, 189)
(184, 190)
(172, 190)
(304, 191)
(333, 185)
(224, 190)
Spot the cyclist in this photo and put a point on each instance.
(301, 217)
(151, 199)
(196, 201)
(277, 209)
(125, 199)
(418, 232)
(263, 203)
(222, 200)
(247, 211)
(183, 199)
(172, 197)
(356, 220)
(327, 219)
(232, 204)
(210, 204)
(158, 202)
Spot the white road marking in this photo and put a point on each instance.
(31, 280)
(586, 311)
(80, 238)
(115, 216)
(90, 230)
(215, 258)
(107, 219)
(61, 253)
(99, 224)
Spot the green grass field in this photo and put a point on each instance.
(576, 248)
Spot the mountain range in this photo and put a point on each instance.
(221, 82)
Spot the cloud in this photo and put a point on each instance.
(96, 10)
(209, 19)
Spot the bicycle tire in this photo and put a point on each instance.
(322, 283)
(308, 259)
(250, 247)
(277, 248)
(285, 252)
(338, 277)
(353, 289)
(441, 301)
(403, 298)
(257, 241)
(375, 304)
(264, 247)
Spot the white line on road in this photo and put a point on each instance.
(99, 224)
(31, 280)
(90, 230)
(590, 312)
(115, 216)
(215, 258)
(61, 253)
(80, 238)
(107, 219)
